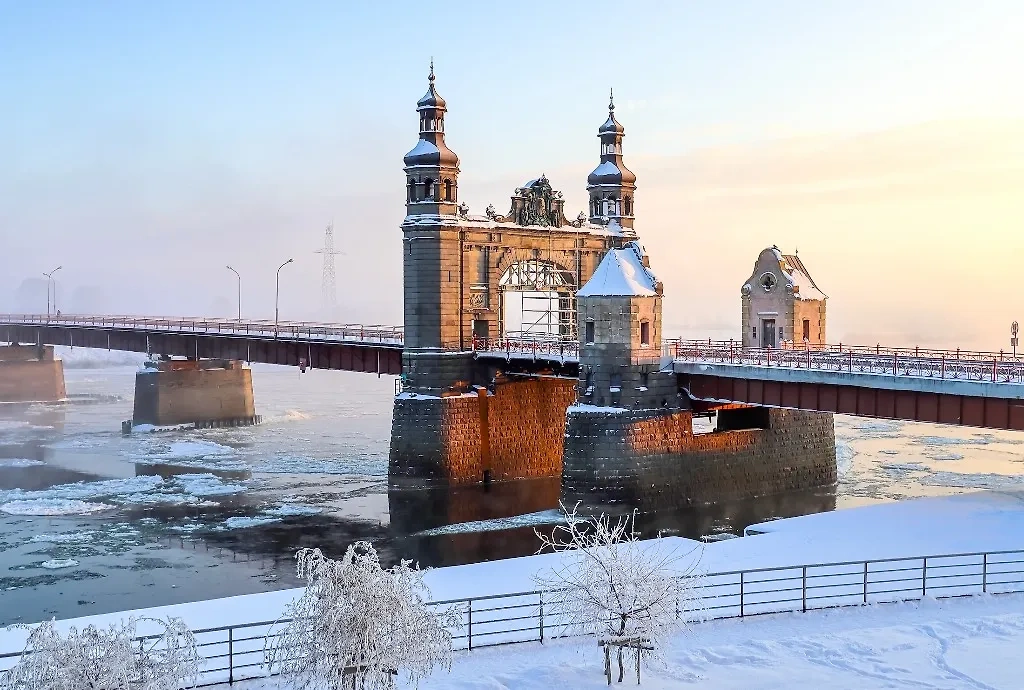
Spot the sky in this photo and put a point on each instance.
(145, 146)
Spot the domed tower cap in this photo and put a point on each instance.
(431, 99)
(611, 124)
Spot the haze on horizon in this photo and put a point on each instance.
(146, 146)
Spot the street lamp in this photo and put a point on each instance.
(277, 293)
(49, 279)
(239, 291)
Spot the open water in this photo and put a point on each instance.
(92, 521)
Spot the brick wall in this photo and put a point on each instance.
(520, 427)
(652, 459)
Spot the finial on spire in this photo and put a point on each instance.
(611, 99)
(431, 77)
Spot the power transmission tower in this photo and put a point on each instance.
(329, 288)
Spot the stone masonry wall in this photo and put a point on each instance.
(193, 395)
(651, 459)
(32, 381)
(516, 433)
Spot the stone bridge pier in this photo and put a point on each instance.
(30, 373)
(205, 393)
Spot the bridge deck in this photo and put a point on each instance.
(348, 347)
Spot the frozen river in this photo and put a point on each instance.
(92, 521)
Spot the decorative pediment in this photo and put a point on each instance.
(536, 203)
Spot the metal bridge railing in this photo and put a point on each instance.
(289, 330)
(528, 348)
(964, 365)
(233, 653)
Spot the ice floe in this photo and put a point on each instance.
(64, 538)
(289, 510)
(52, 506)
(58, 563)
(239, 522)
(543, 517)
(20, 462)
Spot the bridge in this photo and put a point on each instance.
(532, 346)
(960, 387)
(372, 349)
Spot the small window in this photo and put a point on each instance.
(589, 330)
(807, 329)
(780, 332)
(755, 331)
(615, 383)
(645, 333)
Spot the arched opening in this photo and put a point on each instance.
(538, 301)
(629, 205)
(428, 189)
(449, 191)
(412, 190)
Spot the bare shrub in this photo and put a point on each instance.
(610, 584)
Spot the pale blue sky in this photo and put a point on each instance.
(203, 133)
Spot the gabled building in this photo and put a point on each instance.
(782, 305)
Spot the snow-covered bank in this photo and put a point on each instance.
(984, 521)
(966, 644)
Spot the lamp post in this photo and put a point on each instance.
(239, 291)
(277, 293)
(49, 279)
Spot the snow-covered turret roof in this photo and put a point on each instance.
(622, 273)
(804, 286)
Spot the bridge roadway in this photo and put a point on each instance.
(982, 389)
(373, 349)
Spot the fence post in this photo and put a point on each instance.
(541, 596)
(865, 582)
(231, 657)
(741, 594)
(470, 634)
(984, 573)
(924, 576)
(803, 590)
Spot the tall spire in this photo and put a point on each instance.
(611, 185)
(431, 168)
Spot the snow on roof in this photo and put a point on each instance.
(804, 286)
(606, 168)
(621, 273)
(423, 147)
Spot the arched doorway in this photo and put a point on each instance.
(538, 301)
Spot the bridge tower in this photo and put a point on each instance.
(611, 186)
(472, 278)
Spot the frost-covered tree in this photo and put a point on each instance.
(630, 595)
(113, 658)
(357, 625)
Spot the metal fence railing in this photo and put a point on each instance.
(532, 348)
(965, 365)
(293, 330)
(233, 653)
